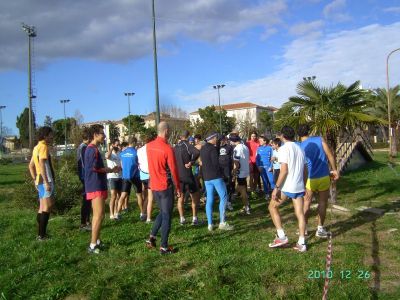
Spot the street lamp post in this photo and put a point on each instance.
(65, 123)
(389, 104)
(155, 65)
(1, 129)
(309, 78)
(129, 94)
(218, 87)
(31, 32)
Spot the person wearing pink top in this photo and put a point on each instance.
(253, 145)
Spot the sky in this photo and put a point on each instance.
(94, 51)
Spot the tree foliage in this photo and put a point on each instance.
(210, 121)
(136, 123)
(114, 131)
(59, 130)
(266, 123)
(23, 126)
(48, 121)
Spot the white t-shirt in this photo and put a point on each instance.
(113, 161)
(292, 155)
(241, 154)
(143, 163)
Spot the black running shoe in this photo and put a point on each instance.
(169, 250)
(151, 243)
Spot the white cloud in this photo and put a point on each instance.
(121, 30)
(393, 9)
(344, 56)
(335, 11)
(303, 28)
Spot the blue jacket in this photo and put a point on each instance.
(129, 163)
(263, 156)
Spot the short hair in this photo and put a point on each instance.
(277, 141)
(95, 129)
(132, 140)
(303, 130)
(264, 138)
(197, 136)
(185, 134)
(254, 132)
(124, 144)
(85, 134)
(288, 133)
(114, 141)
(162, 126)
(43, 132)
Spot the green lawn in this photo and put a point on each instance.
(220, 265)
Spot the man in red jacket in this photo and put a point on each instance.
(253, 145)
(163, 170)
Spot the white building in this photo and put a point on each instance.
(240, 111)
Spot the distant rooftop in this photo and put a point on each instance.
(241, 105)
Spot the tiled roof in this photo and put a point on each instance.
(241, 105)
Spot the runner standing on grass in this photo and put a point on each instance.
(226, 165)
(186, 156)
(163, 170)
(241, 169)
(264, 164)
(276, 144)
(131, 176)
(318, 155)
(41, 170)
(114, 179)
(213, 181)
(96, 183)
(86, 206)
(145, 177)
(252, 145)
(290, 184)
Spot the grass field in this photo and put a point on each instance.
(220, 265)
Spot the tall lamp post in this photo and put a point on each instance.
(129, 94)
(155, 66)
(31, 32)
(309, 78)
(389, 104)
(65, 123)
(1, 129)
(218, 87)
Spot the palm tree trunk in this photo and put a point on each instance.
(383, 130)
(393, 150)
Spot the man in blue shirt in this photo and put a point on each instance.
(130, 176)
(264, 164)
(318, 155)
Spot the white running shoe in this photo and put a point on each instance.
(322, 233)
(210, 227)
(229, 206)
(225, 226)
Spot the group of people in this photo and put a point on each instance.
(159, 172)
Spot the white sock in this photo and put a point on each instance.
(301, 240)
(98, 242)
(281, 233)
(320, 227)
(92, 245)
(194, 219)
(183, 219)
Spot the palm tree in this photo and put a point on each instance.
(378, 106)
(330, 111)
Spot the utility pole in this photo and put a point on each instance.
(392, 153)
(218, 87)
(155, 66)
(65, 124)
(129, 94)
(31, 32)
(1, 129)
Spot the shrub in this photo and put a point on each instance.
(5, 161)
(68, 188)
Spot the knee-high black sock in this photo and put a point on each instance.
(38, 221)
(44, 219)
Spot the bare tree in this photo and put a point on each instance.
(174, 111)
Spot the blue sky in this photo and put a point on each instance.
(93, 51)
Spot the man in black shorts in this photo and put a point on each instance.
(130, 176)
(226, 165)
(186, 156)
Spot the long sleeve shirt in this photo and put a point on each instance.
(210, 163)
(162, 165)
(185, 153)
(95, 179)
(263, 157)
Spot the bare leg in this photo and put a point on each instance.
(195, 203)
(149, 203)
(322, 206)
(98, 216)
(307, 203)
(242, 189)
(113, 199)
(299, 211)
(180, 204)
(273, 208)
(121, 201)
(140, 203)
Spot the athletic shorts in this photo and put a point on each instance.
(318, 184)
(115, 183)
(145, 183)
(127, 184)
(42, 191)
(294, 195)
(189, 184)
(242, 181)
(97, 194)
